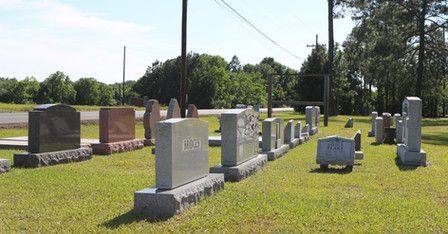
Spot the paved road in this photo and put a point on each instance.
(22, 117)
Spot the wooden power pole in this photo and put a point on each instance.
(183, 77)
(124, 76)
(330, 48)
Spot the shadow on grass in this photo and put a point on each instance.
(435, 122)
(439, 138)
(402, 167)
(125, 219)
(341, 171)
(375, 144)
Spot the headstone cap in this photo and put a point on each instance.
(55, 108)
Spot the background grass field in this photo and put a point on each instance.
(290, 194)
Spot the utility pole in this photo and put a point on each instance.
(445, 80)
(326, 99)
(317, 43)
(330, 46)
(183, 77)
(124, 75)
(269, 96)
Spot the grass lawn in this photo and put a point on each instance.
(7, 107)
(290, 194)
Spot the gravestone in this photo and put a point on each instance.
(396, 118)
(306, 132)
(335, 150)
(371, 133)
(272, 138)
(117, 132)
(192, 111)
(399, 131)
(410, 151)
(358, 153)
(379, 130)
(289, 132)
(182, 177)
(311, 116)
(387, 120)
(150, 119)
(349, 123)
(239, 145)
(298, 131)
(317, 115)
(173, 109)
(5, 166)
(53, 137)
(389, 136)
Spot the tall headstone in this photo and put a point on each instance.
(289, 133)
(311, 117)
(150, 118)
(173, 109)
(372, 131)
(410, 151)
(117, 132)
(379, 130)
(53, 137)
(396, 118)
(273, 139)
(182, 177)
(239, 145)
(298, 130)
(335, 150)
(358, 153)
(387, 120)
(317, 115)
(399, 131)
(192, 111)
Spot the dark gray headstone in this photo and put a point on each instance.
(357, 139)
(53, 127)
(173, 109)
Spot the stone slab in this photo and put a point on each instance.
(117, 124)
(359, 155)
(5, 166)
(294, 143)
(117, 147)
(242, 171)
(21, 143)
(410, 158)
(277, 153)
(32, 160)
(157, 204)
(335, 150)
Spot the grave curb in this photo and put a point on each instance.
(34, 160)
(242, 171)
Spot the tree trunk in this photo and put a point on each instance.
(333, 106)
(421, 52)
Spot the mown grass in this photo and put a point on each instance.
(7, 107)
(290, 194)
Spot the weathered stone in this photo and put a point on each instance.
(243, 170)
(311, 117)
(399, 132)
(192, 111)
(317, 115)
(117, 147)
(33, 160)
(269, 134)
(289, 132)
(387, 120)
(280, 132)
(150, 119)
(396, 118)
(53, 127)
(379, 130)
(358, 153)
(277, 153)
(160, 204)
(349, 123)
(335, 150)
(173, 109)
(181, 152)
(117, 124)
(372, 131)
(273, 139)
(410, 151)
(298, 130)
(5, 166)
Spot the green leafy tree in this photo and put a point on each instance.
(87, 91)
(57, 88)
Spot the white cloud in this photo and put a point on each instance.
(45, 36)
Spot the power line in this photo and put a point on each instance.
(258, 30)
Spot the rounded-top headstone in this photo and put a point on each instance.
(55, 108)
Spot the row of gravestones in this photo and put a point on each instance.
(183, 177)
(407, 132)
(54, 134)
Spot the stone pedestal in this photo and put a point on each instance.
(276, 153)
(33, 160)
(379, 130)
(371, 133)
(5, 165)
(243, 170)
(294, 143)
(158, 204)
(410, 158)
(117, 147)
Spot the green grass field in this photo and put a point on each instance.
(7, 107)
(290, 194)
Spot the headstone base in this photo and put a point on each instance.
(31, 160)
(149, 142)
(277, 153)
(5, 165)
(294, 143)
(410, 158)
(242, 171)
(304, 138)
(117, 147)
(314, 131)
(163, 204)
(359, 155)
(371, 134)
(214, 141)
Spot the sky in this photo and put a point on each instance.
(85, 38)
